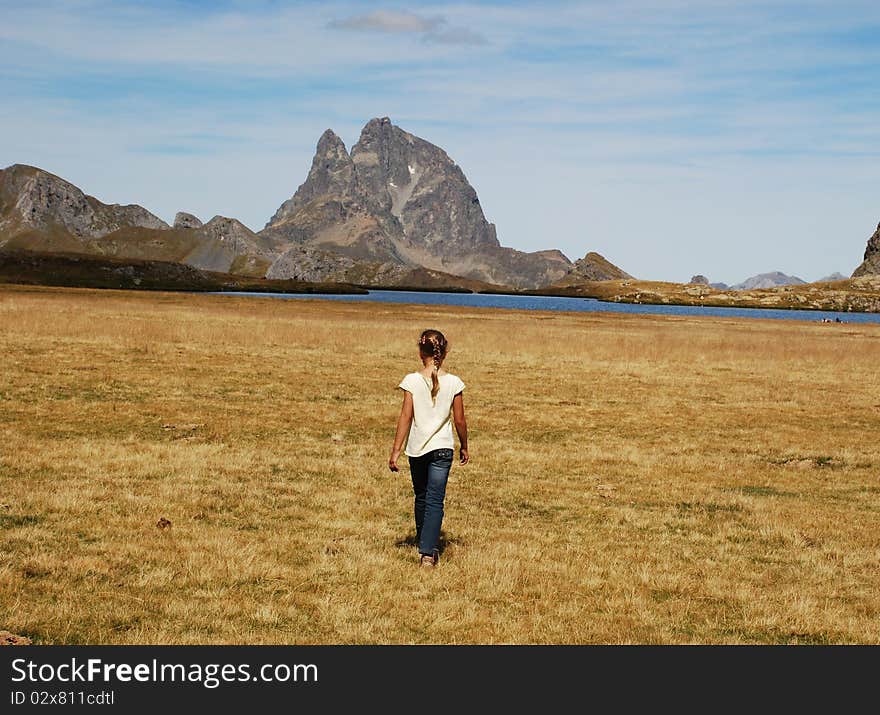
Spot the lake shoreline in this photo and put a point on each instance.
(578, 304)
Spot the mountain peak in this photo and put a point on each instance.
(398, 199)
(331, 174)
(329, 139)
(378, 122)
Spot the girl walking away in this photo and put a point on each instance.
(429, 395)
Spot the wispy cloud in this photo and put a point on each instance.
(388, 21)
(432, 29)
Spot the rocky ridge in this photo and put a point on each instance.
(45, 213)
(591, 268)
(33, 199)
(871, 264)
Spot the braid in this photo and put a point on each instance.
(432, 343)
(435, 380)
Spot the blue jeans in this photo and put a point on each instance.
(430, 473)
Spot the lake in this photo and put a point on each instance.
(578, 305)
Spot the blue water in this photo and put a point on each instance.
(578, 305)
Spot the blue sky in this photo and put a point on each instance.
(724, 137)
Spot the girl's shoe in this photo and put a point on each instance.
(428, 561)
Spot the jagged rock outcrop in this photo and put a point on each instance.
(35, 200)
(699, 280)
(768, 280)
(237, 237)
(592, 267)
(185, 220)
(871, 265)
(400, 200)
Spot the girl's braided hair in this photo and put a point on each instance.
(433, 344)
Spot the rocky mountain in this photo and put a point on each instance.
(43, 212)
(35, 200)
(719, 286)
(768, 280)
(398, 200)
(396, 210)
(871, 265)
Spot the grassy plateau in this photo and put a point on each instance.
(193, 468)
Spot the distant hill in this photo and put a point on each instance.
(591, 268)
(768, 280)
(833, 277)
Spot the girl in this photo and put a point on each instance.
(424, 422)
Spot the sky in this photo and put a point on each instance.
(674, 137)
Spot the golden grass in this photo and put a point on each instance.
(634, 479)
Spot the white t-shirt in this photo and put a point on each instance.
(432, 421)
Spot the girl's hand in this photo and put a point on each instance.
(463, 453)
(392, 461)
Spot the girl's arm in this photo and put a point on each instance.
(460, 425)
(403, 424)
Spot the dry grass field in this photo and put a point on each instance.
(634, 479)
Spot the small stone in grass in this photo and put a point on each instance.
(7, 638)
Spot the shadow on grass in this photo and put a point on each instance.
(411, 541)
